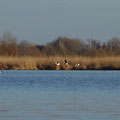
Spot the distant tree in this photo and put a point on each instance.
(9, 45)
(94, 43)
(113, 46)
(62, 46)
(28, 49)
(67, 46)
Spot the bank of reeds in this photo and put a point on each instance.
(49, 63)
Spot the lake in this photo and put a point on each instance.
(59, 95)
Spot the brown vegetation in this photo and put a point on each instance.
(81, 55)
(49, 63)
(62, 46)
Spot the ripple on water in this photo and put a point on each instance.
(63, 95)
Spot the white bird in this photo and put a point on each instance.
(1, 71)
(58, 63)
(77, 64)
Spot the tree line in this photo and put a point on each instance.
(62, 46)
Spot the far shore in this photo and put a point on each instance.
(50, 63)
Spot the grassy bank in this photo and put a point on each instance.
(49, 63)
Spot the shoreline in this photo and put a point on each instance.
(49, 63)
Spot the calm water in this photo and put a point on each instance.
(60, 95)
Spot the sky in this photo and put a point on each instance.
(42, 21)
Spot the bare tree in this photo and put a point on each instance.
(28, 49)
(9, 45)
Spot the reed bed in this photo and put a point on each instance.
(49, 63)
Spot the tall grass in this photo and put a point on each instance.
(48, 63)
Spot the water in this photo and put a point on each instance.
(60, 95)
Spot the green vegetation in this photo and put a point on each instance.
(90, 54)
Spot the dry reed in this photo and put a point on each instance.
(49, 63)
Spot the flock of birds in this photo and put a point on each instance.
(58, 64)
(66, 63)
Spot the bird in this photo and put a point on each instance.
(1, 71)
(77, 64)
(57, 63)
(65, 62)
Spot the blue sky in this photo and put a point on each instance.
(42, 21)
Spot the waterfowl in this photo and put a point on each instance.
(65, 62)
(1, 71)
(58, 63)
(77, 64)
